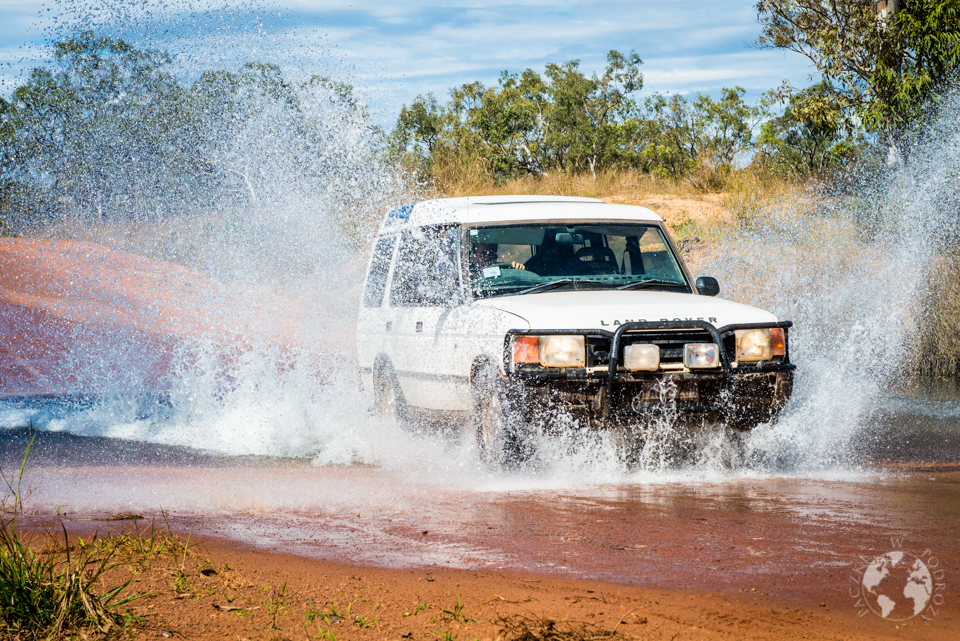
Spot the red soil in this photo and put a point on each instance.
(72, 313)
(224, 590)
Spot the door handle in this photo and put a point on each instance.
(419, 326)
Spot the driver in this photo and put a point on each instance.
(485, 255)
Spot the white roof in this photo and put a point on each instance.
(495, 209)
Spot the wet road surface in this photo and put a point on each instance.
(795, 538)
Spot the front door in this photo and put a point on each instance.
(426, 289)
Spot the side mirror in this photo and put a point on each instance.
(708, 286)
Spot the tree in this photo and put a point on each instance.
(811, 137)
(885, 67)
(588, 113)
(527, 124)
(107, 129)
(676, 136)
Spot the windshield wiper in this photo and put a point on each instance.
(554, 284)
(652, 281)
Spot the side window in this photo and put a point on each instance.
(379, 268)
(427, 272)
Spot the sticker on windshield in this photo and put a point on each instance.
(491, 272)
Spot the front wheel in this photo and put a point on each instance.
(495, 423)
(390, 404)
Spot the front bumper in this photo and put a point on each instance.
(741, 394)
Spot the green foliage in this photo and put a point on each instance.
(526, 125)
(812, 137)
(679, 136)
(885, 68)
(107, 132)
(923, 56)
(564, 121)
(104, 114)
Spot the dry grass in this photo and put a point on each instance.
(622, 185)
(519, 627)
(937, 348)
(750, 196)
(696, 205)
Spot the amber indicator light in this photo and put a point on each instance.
(526, 349)
(778, 343)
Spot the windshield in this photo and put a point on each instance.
(516, 259)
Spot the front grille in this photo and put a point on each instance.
(598, 351)
(670, 343)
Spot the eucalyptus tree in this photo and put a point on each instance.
(588, 113)
(811, 137)
(886, 59)
(106, 129)
(676, 136)
(528, 123)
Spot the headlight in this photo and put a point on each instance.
(641, 357)
(753, 345)
(562, 351)
(701, 355)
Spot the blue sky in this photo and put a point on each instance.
(393, 50)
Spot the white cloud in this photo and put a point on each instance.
(393, 50)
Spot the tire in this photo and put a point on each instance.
(390, 404)
(497, 426)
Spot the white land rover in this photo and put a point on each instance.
(510, 309)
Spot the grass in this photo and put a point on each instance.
(464, 176)
(56, 592)
(936, 350)
(455, 614)
(56, 588)
(620, 185)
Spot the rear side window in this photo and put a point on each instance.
(379, 268)
(427, 272)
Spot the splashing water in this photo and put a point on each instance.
(302, 183)
(852, 272)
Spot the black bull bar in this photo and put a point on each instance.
(616, 340)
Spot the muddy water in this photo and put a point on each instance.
(796, 536)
